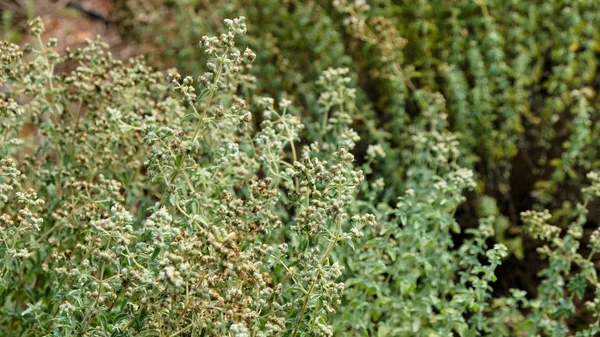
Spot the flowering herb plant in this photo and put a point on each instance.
(135, 202)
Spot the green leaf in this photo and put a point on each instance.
(348, 240)
(577, 286)
(59, 108)
(189, 116)
(383, 331)
(173, 199)
(155, 253)
(461, 328)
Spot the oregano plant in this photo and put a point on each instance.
(340, 168)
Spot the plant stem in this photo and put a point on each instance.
(312, 286)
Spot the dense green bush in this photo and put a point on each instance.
(371, 196)
(519, 88)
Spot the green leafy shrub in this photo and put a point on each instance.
(133, 212)
(140, 203)
(520, 89)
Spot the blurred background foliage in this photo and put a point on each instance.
(519, 89)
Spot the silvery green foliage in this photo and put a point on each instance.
(520, 88)
(137, 203)
(571, 272)
(404, 278)
(132, 212)
(517, 84)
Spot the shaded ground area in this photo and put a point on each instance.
(71, 22)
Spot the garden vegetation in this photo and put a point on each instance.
(306, 168)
